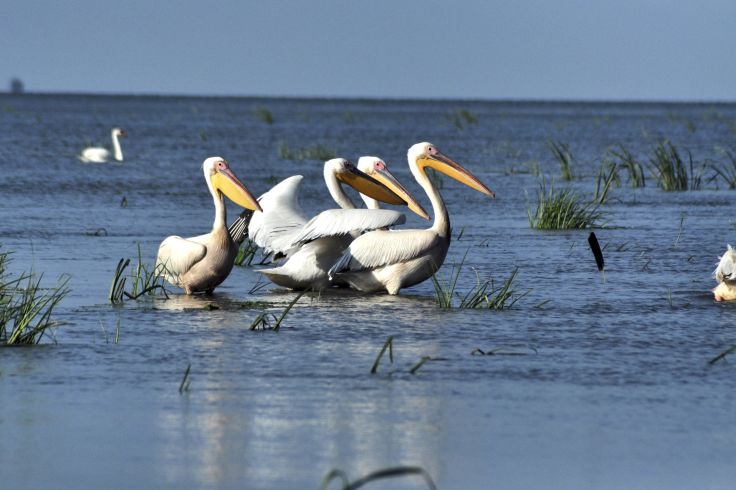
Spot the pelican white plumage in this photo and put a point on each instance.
(98, 154)
(311, 247)
(725, 274)
(388, 260)
(201, 263)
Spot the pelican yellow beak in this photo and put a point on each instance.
(225, 181)
(365, 184)
(386, 178)
(442, 163)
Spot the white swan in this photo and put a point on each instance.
(98, 154)
(725, 274)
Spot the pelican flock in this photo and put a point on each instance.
(98, 154)
(311, 247)
(201, 263)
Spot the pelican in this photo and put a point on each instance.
(388, 260)
(201, 263)
(97, 154)
(313, 246)
(725, 274)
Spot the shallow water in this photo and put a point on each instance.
(611, 389)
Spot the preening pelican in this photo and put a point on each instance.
(311, 247)
(97, 154)
(725, 274)
(388, 260)
(201, 263)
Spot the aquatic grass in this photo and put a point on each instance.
(419, 364)
(562, 210)
(484, 295)
(670, 170)
(504, 351)
(143, 280)
(246, 253)
(607, 176)
(561, 152)
(389, 344)
(623, 159)
(263, 114)
(726, 171)
(723, 355)
(185, 381)
(26, 307)
(264, 319)
(461, 118)
(314, 152)
(391, 472)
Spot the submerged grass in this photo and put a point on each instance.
(314, 152)
(563, 210)
(26, 307)
(484, 295)
(670, 170)
(391, 472)
(143, 280)
(264, 319)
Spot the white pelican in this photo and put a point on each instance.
(313, 246)
(97, 154)
(725, 274)
(388, 260)
(201, 263)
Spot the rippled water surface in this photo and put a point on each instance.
(610, 386)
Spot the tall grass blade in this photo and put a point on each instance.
(386, 345)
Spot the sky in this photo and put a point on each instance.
(465, 49)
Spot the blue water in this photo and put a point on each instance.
(611, 387)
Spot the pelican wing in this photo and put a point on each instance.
(176, 255)
(726, 270)
(282, 217)
(339, 222)
(384, 247)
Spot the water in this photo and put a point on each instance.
(614, 389)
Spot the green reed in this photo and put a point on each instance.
(143, 280)
(314, 152)
(563, 155)
(389, 344)
(670, 170)
(562, 210)
(269, 321)
(624, 160)
(727, 170)
(263, 114)
(26, 307)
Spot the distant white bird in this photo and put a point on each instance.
(311, 247)
(388, 260)
(725, 274)
(97, 154)
(201, 263)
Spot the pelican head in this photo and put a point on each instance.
(221, 179)
(427, 155)
(118, 132)
(376, 168)
(346, 172)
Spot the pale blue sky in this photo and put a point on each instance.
(488, 49)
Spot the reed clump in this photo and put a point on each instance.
(26, 307)
(563, 210)
(624, 160)
(269, 321)
(486, 294)
(144, 280)
(461, 118)
(727, 170)
(670, 170)
(563, 155)
(263, 114)
(314, 152)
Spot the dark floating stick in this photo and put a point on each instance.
(723, 354)
(389, 344)
(184, 386)
(392, 472)
(596, 248)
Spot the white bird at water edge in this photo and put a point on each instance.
(388, 260)
(201, 263)
(725, 274)
(98, 154)
(311, 247)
